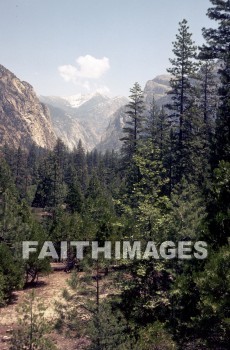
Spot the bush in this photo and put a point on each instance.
(11, 274)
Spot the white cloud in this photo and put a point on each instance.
(91, 67)
(88, 67)
(68, 72)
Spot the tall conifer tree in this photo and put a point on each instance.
(183, 69)
(134, 124)
(218, 47)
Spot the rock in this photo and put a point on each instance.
(9, 330)
(6, 338)
(23, 118)
(84, 117)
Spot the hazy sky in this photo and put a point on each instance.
(64, 47)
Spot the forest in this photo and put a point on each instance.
(170, 182)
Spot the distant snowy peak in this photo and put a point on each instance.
(75, 101)
(84, 117)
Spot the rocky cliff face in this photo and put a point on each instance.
(23, 118)
(95, 119)
(84, 117)
(70, 130)
(158, 87)
(111, 138)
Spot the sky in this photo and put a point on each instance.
(66, 47)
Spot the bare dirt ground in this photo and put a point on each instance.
(49, 289)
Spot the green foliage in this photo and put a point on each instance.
(170, 182)
(108, 329)
(217, 47)
(134, 124)
(75, 198)
(145, 298)
(33, 328)
(11, 273)
(219, 210)
(85, 313)
(52, 190)
(183, 118)
(132, 130)
(154, 337)
(188, 213)
(214, 304)
(148, 199)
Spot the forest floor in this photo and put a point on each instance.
(48, 289)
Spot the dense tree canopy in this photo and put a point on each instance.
(170, 182)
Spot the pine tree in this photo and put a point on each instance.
(208, 92)
(219, 206)
(8, 204)
(212, 320)
(51, 189)
(133, 131)
(11, 273)
(157, 127)
(59, 162)
(208, 103)
(75, 199)
(86, 314)
(218, 47)
(183, 69)
(33, 328)
(134, 123)
(80, 164)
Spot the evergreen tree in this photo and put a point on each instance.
(83, 315)
(157, 128)
(8, 204)
(219, 206)
(134, 123)
(133, 131)
(212, 321)
(59, 166)
(80, 164)
(208, 103)
(75, 199)
(208, 92)
(51, 189)
(218, 47)
(151, 121)
(11, 274)
(183, 70)
(33, 328)
(21, 172)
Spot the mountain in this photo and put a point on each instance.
(70, 130)
(84, 117)
(157, 88)
(111, 137)
(23, 118)
(96, 119)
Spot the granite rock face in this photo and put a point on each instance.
(82, 117)
(97, 120)
(23, 118)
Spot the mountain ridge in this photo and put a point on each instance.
(23, 118)
(96, 119)
(87, 115)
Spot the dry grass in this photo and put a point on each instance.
(48, 289)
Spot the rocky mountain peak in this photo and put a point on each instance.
(84, 117)
(158, 87)
(23, 119)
